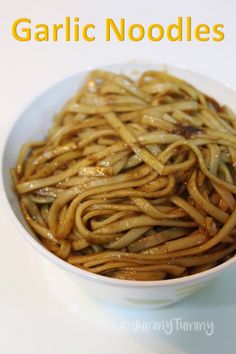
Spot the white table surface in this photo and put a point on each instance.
(39, 313)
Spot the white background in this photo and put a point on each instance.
(39, 313)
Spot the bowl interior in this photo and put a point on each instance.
(36, 119)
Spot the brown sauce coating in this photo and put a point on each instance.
(186, 131)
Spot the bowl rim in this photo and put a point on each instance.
(60, 262)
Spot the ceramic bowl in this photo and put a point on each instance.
(33, 124)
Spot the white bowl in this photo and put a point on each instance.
(32, 124)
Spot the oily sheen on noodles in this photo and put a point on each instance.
(135, 180)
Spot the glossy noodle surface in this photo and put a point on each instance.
(135, 179)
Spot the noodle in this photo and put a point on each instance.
(135, 180)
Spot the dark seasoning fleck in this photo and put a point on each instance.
(187, 130)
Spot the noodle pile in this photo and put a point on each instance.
(135, 180)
